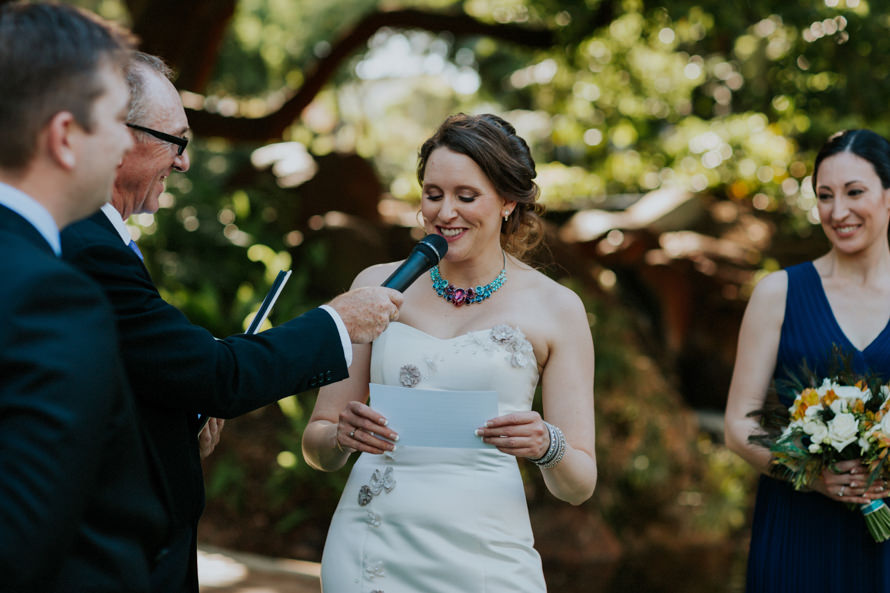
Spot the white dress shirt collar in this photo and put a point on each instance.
(34, 212)
(117, 222)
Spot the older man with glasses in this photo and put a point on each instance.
(179, 371)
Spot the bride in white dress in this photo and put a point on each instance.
(449, 520)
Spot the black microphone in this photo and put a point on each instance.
(424, 256)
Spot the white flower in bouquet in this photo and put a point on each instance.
(852, 392)
(843, 429)
(813, 410)
(816, 429)
(839, 406)
(827, 385)
(864, 445)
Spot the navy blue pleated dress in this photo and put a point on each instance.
(803, 541)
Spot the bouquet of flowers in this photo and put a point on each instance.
(836, 422)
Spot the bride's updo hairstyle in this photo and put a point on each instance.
(865, 144)
(504, 157)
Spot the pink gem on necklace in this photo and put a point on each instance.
(466, 296)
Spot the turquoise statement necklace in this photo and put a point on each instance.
(466, 296)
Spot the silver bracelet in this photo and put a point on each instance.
(555, 452)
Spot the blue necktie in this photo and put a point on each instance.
(135, 248)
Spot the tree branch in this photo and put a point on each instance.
(272, 125)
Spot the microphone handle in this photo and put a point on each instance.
(412, 268)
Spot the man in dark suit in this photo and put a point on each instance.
(177, 369)
(78, 509)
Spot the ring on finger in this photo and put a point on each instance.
(352, 434)
(840, 492)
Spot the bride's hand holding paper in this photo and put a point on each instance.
(521, 434)
(360, 428)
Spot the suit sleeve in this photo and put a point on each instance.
(173, 363)
(57, 400)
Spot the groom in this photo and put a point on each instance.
(78, 509)
(178, 369)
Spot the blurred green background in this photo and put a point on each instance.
(674, 143)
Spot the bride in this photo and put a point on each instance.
(449, 519)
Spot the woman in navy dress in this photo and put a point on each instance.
(811, 541)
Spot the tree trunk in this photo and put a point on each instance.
(186, 33)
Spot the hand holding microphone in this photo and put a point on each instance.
(367, 311)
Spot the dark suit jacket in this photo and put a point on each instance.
(77, 508)
(177, 369)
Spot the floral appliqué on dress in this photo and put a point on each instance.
(409, 375)
(378, 483)
(513, 340)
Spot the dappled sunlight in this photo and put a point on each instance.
(226, 571)
(216, 570)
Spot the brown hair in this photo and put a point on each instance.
(506, 160)
(50, 55)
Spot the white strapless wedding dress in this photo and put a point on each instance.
(439, 520)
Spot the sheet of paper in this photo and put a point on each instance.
(435, 418)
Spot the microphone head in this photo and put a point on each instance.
(437, 246)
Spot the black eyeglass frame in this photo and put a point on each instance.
(179, 141)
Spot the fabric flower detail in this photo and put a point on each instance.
(513, 340)
(364, 496)
(384, 481)
(522, 354)
(379, 482)
(409, 375)
(372, 518)
(502, 334)
(374, 569)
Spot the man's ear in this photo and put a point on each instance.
(61, 137)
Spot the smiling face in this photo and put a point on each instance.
(143, 173)
(853, 206)
(461, 204)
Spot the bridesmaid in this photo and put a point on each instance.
(811, 541)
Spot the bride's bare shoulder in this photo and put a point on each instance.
(375, 275)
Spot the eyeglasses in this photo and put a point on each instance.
(177, 140)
